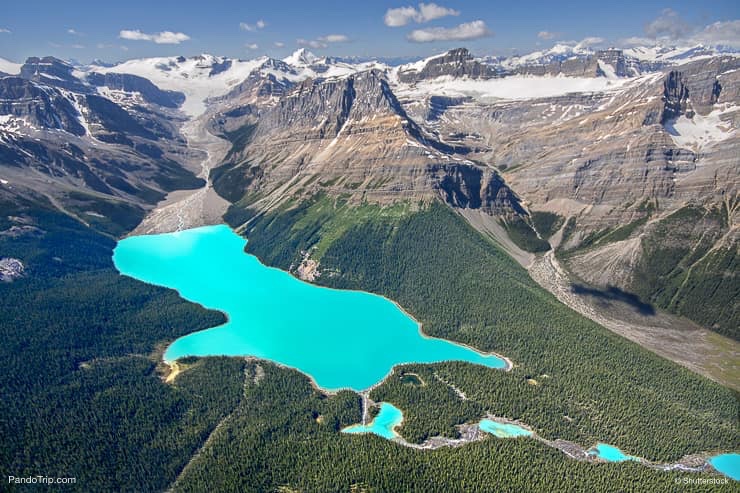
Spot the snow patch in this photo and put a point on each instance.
(9, 67)
(608, 70)
(699, 132)
(514, 87)
(80, 114)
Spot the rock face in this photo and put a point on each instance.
(641, 168)
(65, 145)
(459, 63)
(133, 83)
(351, 137)
(573, 67)
(454, 63)
(616, 165)
(589, 65)
(614, 58)
(41, 106)
(623, 168)
(52, 71)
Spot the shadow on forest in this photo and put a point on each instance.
(613, 293)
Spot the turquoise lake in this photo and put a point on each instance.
(727, 464)
(341, 339)
(503, 430)
(610, 453)
(384, 423)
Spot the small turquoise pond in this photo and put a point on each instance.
(384, 423)
(727, 464)
(341, 339)
(503, 430)
(610, 453)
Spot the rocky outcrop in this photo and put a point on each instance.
(579, 66)
(133, 83)
(675, 96)
(615, 59)
(41, 106)
(351, 137)
(455, 63)
(64, 145)
(52, 71)
(471, 187)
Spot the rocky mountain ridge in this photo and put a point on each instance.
(609, 164)
(100, 148)
(583, 149)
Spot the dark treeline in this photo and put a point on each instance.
(274, 442)
(591, 385)
(80, 394)
(684, 267)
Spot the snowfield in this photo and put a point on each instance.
(9, 67)
(515, 87)
(699, 132)
(191, 77)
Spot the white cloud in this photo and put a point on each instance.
(322, 41)
(547, 35)
(668, 24)
(260, 24)
(252, 46)
(161, 38)
(670, 28)
(311, 43)
(334, 38)
(590, 41)
(78, 46)
(104, 46)
(5, 31)
(637, 41)
(74, 32)
(400, 16)
(725, 33)
(426, 12)
(431, 11)
(279, 44)
(469, 30)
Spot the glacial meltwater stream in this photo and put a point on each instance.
(341, 339)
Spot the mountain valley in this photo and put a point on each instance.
(517, 205)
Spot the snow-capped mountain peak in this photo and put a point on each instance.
(199, 77)
(662, 53)
(301, 57)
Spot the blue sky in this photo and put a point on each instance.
(84, 29)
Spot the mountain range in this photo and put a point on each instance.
(572, 210)
(624, 163)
